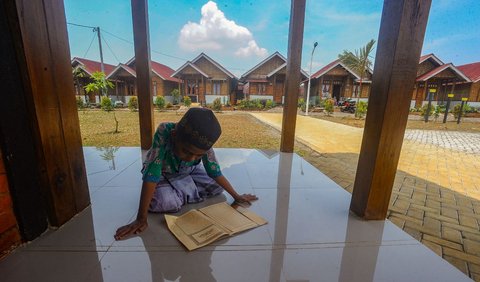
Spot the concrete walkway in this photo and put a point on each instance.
(436, 194)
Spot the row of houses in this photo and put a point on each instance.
(204, 79)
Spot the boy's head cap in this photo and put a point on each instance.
(199, 127)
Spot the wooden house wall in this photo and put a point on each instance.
(210, 69)
(474, 95)
(266, 68)
(168, 87)
(224, 87)
(425, 67)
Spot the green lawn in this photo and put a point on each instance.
(239, 130)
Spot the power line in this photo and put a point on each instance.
(81, 25)
(88, 49)
(108, 45)
(130, 42)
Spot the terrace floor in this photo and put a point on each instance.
(311, 236)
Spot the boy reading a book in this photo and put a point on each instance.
(180, 168)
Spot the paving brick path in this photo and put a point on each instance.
(436, 193)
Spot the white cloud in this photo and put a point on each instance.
(216, 32)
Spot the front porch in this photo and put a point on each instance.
(311, 235)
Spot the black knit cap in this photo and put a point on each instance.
(199, 127)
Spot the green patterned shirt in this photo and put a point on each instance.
(161, 159)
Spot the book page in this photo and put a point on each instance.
(228, 217)
(194, 229)
(198, 228)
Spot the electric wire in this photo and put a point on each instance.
(88, 49)
(108, 45)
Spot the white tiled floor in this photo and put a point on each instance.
(310, 235)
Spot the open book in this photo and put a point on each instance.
(198, 228)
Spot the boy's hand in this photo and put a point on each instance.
(136, 227)
(245, 198)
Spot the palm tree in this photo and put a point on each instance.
(359, 62)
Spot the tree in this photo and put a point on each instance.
(359, 62)
(99, 84)
(77, 73)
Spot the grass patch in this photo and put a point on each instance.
(239, 130)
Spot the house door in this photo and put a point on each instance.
(336, 92)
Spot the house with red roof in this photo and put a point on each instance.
(337, 80)
(124, 77)
(82, 70)
(471, 90)
(266, 80)
(438, 79)
(205, 80)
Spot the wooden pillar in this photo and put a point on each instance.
(292, 80)
(39, 33)
(143, 68)
(400, 40)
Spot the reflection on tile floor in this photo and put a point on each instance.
(311, 235)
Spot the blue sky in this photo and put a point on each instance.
(239, 34)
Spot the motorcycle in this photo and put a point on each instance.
(348, 106)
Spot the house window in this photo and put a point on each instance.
(261, 88)
(217, 86)
(155, 88)
(192, 87)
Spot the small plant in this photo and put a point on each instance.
(361, 109)
(301, 103)
(176, 96)
(160, 102)
(217, 105)
(106, 104)
(270, 104)
(187, 101)
(328, 109)
(423, 110)
(133, 103)
(80, 103)
(437, 111)
(168, 105)
(466, 109)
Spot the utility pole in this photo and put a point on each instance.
(309, 78)
(97, 30)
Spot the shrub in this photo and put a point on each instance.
(80, 103)
(466, 109)
(437, 111)
(176, 96)
(423, 110)
(361, 109)
(187, 101)
(270, 104)
(133, 103)
(160, 102)
(106, 104)
(301, 103)
(257, 104)
(217, 104)
(328, 109)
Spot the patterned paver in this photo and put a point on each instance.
(436, 193)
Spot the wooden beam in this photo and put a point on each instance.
(44, 60)
(292, 80)
(143, 68)
(402, 31)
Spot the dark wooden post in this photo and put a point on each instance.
(46, 89)
(141, 39)
(402, 31)
(292, 80)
